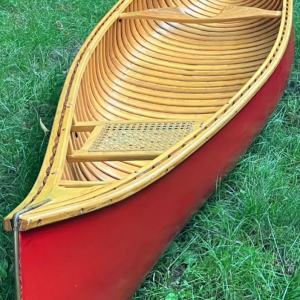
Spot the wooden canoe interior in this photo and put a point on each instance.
(148, 70)
(145, 93)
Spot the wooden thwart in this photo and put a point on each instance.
(181, 15)
(84, 156)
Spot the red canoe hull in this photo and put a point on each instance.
(106, 254)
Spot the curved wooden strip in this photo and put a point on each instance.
(182, 15)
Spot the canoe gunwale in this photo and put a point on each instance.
(51, 170)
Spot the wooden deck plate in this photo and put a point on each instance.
(181, 15)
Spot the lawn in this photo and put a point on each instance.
(245, 242)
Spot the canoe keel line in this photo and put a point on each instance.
(154, 111)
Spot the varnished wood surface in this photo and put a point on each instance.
(82, 184)
(140, 70)
(181, 15)
(149, 77)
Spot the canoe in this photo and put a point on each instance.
(160, 103)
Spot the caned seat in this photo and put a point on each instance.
(123, 141)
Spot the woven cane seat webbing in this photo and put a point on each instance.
(154, 136)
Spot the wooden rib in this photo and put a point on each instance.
(181, 15)
(83, 184)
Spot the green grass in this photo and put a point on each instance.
(245, 242)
